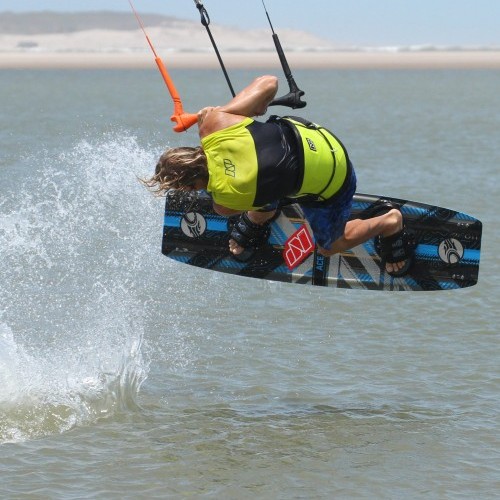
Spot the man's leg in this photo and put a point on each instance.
(358, 231)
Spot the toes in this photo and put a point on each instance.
(394, 267)
(234, 248)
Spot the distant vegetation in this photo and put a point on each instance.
(34, 23)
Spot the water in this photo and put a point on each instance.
(126, 375)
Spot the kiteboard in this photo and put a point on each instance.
(446, 257)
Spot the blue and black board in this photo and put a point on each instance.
(447, 255)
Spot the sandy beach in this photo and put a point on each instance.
(303, 60)
(184, 44)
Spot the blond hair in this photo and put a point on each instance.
(178, 168)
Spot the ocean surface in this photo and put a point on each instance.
(126, 375)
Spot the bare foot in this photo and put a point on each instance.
(256, 218)
(396, 225)
(234, 248)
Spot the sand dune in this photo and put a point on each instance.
(100, 40)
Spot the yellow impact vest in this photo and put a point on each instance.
(233, 163)
(232, 166)
(324, 160)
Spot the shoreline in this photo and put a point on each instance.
(242, 60)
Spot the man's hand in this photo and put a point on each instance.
(203, 113)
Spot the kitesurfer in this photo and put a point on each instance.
(249, 167)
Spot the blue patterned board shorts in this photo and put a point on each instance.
(328, 221)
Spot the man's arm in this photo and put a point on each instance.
(254, 99)
(251, 101)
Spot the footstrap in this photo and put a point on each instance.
(397, 247)
(249, 234)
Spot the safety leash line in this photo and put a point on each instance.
(182, 119)
(205, 21)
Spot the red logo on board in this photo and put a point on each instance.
(299, 246)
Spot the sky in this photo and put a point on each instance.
(345, 23)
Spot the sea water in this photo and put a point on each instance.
(124, 374)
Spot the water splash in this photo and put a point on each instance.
(75, 261)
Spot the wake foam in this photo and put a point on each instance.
(76, 240)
